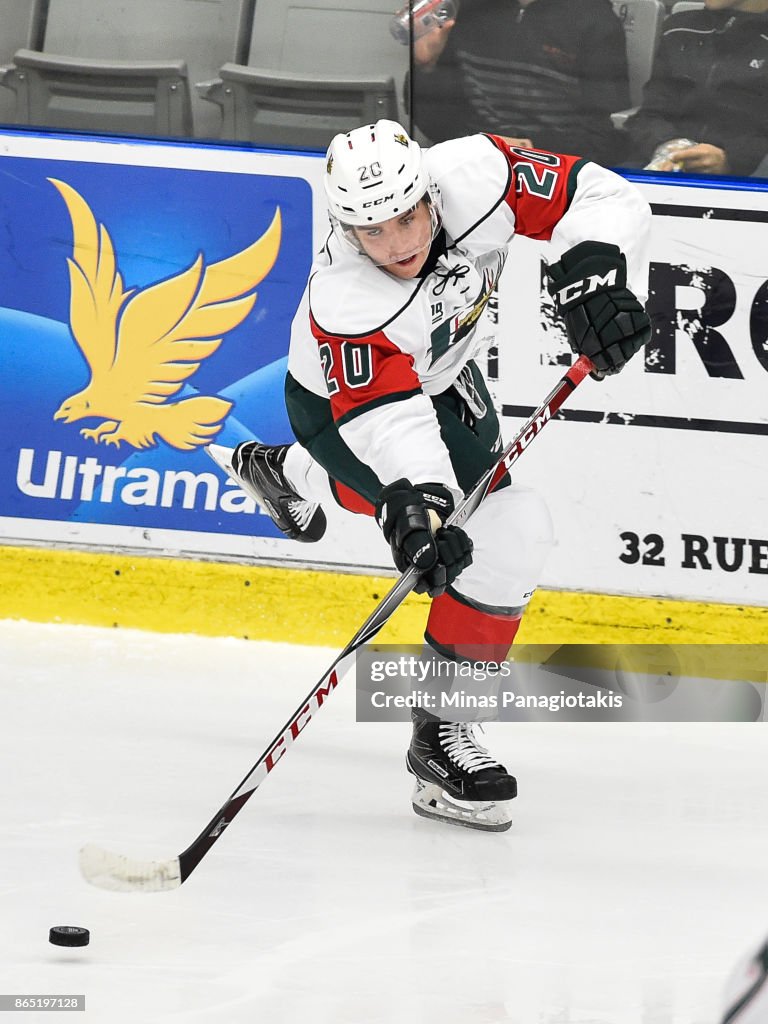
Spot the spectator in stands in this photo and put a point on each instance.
(545, 72)
(710, 88)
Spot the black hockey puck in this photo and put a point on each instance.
(69, 935)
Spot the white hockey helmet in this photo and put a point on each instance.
(373, 173)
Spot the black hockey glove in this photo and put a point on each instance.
(402, 512)
(604, 319)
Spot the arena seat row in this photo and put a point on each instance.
(274, 72)
(270, 72)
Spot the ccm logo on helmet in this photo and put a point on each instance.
(593, 283)
(379, 201)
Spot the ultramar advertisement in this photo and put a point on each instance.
(144, 312)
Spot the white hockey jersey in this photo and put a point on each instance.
(377, 346)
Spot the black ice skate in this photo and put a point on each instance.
(258, 469)
(456, 779)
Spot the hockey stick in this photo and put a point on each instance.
(124, 874)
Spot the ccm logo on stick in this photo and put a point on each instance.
(527, 437)
(299, 721)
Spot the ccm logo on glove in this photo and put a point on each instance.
(593, 283)
(410, 517)
(604, 319)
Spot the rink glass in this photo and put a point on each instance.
(194, 41)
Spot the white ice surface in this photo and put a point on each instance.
(633, 877)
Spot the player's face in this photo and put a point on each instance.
(399, 245)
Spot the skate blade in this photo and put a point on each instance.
(429, 801)
(221, 456)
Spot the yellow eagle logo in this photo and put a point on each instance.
(141, 346)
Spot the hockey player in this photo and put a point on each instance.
(391, 411)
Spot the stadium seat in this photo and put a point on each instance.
(274, 108)
(339, 54)
(350, 37)
(203, 34)
(132, 97)
(17, 28)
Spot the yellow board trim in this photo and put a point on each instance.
(318, 608)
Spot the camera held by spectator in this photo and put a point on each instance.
(414, 21)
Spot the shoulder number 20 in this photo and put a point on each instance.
(534, 174)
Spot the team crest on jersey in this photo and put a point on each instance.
(454, 330)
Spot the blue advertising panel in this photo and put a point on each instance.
(145, 310)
